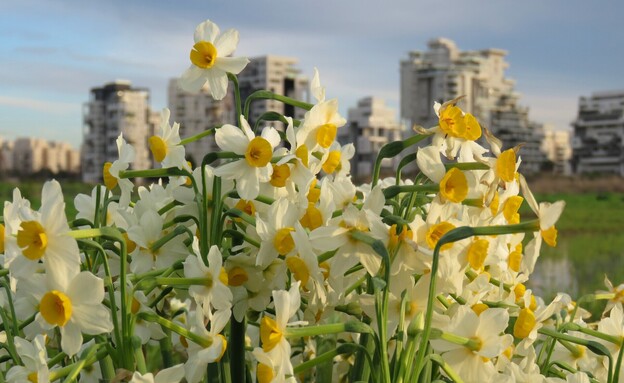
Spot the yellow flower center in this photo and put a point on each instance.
(246, 207)
(223, 276)
(135, 306)
(299, 269)
(510, 209)
(223, 347)
(56, 308)
(477, 252)
(395, 238)
(264, 373)
(237, 276)
(283, 241)
(452, 121)
(33, 377)
(506, 165)
(454, 186)
(109, 180)
(524, 324)
(314, 193)
(312, 218)
(478, 308)
(130, 244)
(436, 232)
(515, 258)
(332, 163)
(475, 344)
(473, 129)
(326, 134)
(494, 204)
(32, 239)
(259, 152)
(550, 236)
(270, 334)
(204, 54)
(324, 266)
(303, 154)
(158, 147)
(519, 290)
(2, 238)
(280, 175)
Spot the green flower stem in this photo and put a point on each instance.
(237, 97)
(618, 365)
(237, 234)
(113, 234)
(408, 159)
(333, 328)
(394, 190)
(10, 345)
(215, 225)
(169, 236)
(445, 366)
(154, 318)
(82, 363)
(183, 281)
(169, 206)
(617, 340)
(237, 350)
(154, 173)
(467, 166)
(108, 368)
(469, 343)
(266, 95)
(78, 366)
(240, 214)
(393, 149)
(199, 136)
(58, 358)
(450, 237)
(139, 357)
(166, 349)
(323, 358)
(109, 285)
(7, 285)
(4, 272)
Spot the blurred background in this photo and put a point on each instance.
(548, 75)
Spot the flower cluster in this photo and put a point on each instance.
(265, 261)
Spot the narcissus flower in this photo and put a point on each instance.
(255, 166)
(210, 63)
(166, 147)
(111, 171)
(74, 305)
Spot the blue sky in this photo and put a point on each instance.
(53, 52)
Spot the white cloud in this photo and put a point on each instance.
(46, 106)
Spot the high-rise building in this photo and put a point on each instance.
(6, 156)
(197, 113)
(278, 75)
(558, 150)
(112, 109)
(371, 125)
(443, 73)
(598, 142)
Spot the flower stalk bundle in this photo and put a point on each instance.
(266, 263)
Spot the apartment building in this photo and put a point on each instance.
(197, 113)
(558, 149)
(27, 156)
(112, 109)
(370, 125)
(444, 72)
(598, 141)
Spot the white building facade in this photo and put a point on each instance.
(276, 74)
(27, 156)
(443, 73)
(370, 125)
(558, 149)
(598, 142)
(112, 109)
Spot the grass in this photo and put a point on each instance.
(31, 190)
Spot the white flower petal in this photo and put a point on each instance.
(71, 338)
(86, 288)
(170, 375)
(226, 42)
(218, 83)
(193, 79)
(233, 65)
(206, 31)
(92, 319)
(231, 139)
